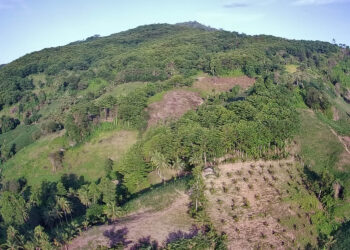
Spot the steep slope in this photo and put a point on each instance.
(81, 139)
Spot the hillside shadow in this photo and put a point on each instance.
(173, 180)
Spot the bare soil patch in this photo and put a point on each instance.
(223, 84)
(335, 114)
(246, 200)
(173, 105)
(127, 231)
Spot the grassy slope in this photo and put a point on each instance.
(86, 159)
(319, 147)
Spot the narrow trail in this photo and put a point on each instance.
(341, 140)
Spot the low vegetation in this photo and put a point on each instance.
(141, 125)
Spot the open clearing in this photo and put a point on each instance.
(172, 106)
(222, 84)
(88, 159)
(257, 205)
(128, 230)
(33, 162)
(320, 148)
(291, 68)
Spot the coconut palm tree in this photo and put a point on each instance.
(41, 238)
(159, 163)
(178, 164)
(112, 211)
(14, 239)
(64, 205)
(83, 195)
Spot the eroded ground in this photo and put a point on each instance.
(127, 231)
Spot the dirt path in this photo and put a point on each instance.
(127, 231)
(345, 140)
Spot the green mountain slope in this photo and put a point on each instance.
(77, 143)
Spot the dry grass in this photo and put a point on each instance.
(157, 225)
(172, 106)
(222, 84)
(291, 68)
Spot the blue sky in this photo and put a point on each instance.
(31, 25)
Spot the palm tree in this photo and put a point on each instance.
(112, 211)
(64, 205)
(159, 162)
(196, 160)
(41, 238)
(84, 197)
(14, 239)
(51, 215)
(178, 164)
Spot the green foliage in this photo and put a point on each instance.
(342, 237)
(7, 124)
(82, 83)
(95, 213)
(197, 191)
(197, 242)
(13, 208)
(316, 99)
(134, 169)
(51, 127)
(341, 74)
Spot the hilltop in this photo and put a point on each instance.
(196, 25)
(207, 129)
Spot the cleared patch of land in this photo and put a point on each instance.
(173, 105)
(222, 84)
(291, 68)
(88, 159)
(156, 224)
(33, 162)
(257, 204)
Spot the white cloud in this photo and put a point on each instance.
(318, 2)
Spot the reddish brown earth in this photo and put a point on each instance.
(173, 105)
(156, 225)
(222, 84)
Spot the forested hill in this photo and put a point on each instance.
(169, 126)
(151, 53)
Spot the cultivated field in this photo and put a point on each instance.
(262, 205)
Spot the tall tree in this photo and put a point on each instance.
(64, 205)
(159, 163)
(112, 211)
(13, 208)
